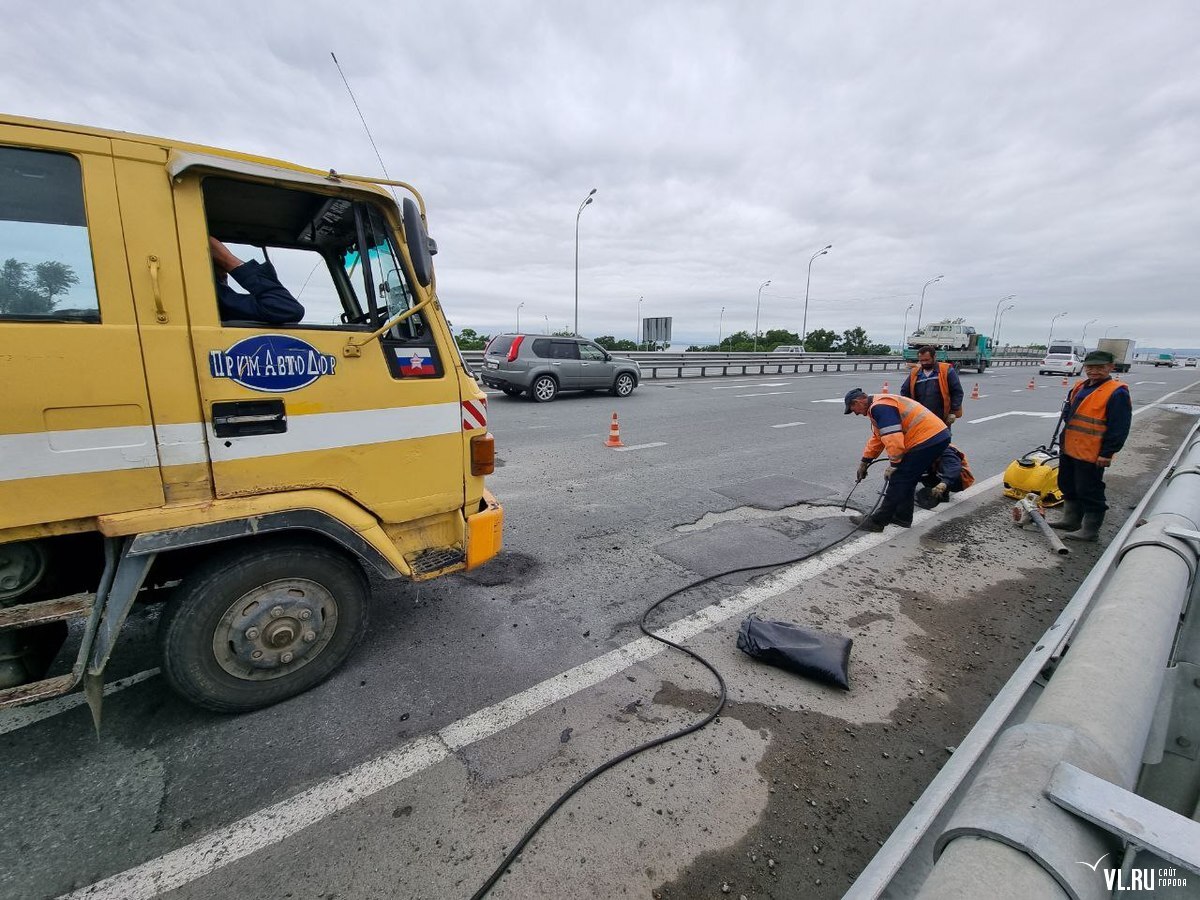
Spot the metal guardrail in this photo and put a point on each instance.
(703, 365)
(1053, 796)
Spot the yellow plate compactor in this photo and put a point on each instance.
(1036, 473)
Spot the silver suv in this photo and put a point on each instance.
(541, 366)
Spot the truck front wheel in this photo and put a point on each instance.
(258, 623)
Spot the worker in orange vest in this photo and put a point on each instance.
(913, 438)
(935, 385)
(949, 474)
(1095, 423)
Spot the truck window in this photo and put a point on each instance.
(46, 269)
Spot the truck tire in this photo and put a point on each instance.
(258, 623)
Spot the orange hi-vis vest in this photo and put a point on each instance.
(917, 425)
(1085, 428)
(943, 370)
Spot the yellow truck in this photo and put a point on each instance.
(155, 443)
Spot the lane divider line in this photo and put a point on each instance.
(640, 446)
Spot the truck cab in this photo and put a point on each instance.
(260, 469)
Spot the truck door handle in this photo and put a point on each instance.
(242, 418)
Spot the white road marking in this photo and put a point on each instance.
(764, 394)
(738, 387)
(834, 400)
(1165, 397)
(537, 426)
(276, 823)
(1020, 390)
(788, 425)
(1149, 382)
(1039, 415)
(13, 719)
(641, 446)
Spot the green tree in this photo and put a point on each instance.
(469, 339)
(608, 342)
(853, 342)
(820, 340)
(54, 278)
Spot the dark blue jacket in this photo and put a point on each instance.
(268, 300)
(929, 392)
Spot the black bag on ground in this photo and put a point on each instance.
(824, 657)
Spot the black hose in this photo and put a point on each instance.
(695, 726)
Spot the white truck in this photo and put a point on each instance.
(1122, 350)
(948, 334)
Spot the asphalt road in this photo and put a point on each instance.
(475, 699)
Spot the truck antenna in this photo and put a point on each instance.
(363, 119)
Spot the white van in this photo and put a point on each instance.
(1063, 358)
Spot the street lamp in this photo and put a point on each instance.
(637, 334)
(904, 331)
(519, 305)
(1000, 321)
(547, 318)
(804, 324)
(1108, 329)
(720, 329)
(586, 201)
(921, 306)
(1050, 339)
(996, 314)
(1085, 328)
(756, 309)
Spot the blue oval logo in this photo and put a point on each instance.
(272, 363)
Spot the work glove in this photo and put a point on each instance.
(939, 491)
(861, 472)
(889, 471)
(950, 419)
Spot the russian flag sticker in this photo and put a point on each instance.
(415, 361)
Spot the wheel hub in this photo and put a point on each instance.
(275, 628)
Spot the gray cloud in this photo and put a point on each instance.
(1046, 151)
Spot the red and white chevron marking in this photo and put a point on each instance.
(474, 414)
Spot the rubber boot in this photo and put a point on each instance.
(1090, 530)
(867, 523)
(1072, 517)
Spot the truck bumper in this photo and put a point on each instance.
(485, 531)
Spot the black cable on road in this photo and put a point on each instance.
(667, 738)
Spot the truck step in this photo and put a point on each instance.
(25, 614)
(37, 690)
(436, 559)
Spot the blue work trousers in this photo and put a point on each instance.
(897, 504)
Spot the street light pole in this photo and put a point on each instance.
(999, 322)
(921, 306)
(547, 318)
(996, 314)
(1108, 329)
(586, 201)
(904, 331)
(519, 305)
(756, 309)
(1085, 328)
(1050, 339)
(804, 324)
(637, 333)
(720, 329)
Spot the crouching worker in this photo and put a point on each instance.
(948, 475)
(913, 438)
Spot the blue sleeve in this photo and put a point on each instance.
(956, 391)
(1118, 417)
(886, 418)
(950, 466)
(268, 300)
(904, 386)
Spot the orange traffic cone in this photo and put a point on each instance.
(885, 388)
(975, 391)
(614, 434)
(1031, 384)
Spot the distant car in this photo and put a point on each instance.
(1064, 359)
(1191, 361)
(542, 366)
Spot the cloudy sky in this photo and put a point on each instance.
(1046, 150)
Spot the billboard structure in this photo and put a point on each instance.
(656, 331)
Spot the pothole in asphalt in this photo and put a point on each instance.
(801, 512)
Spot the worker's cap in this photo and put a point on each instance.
(1098, 358)
(851, 397)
